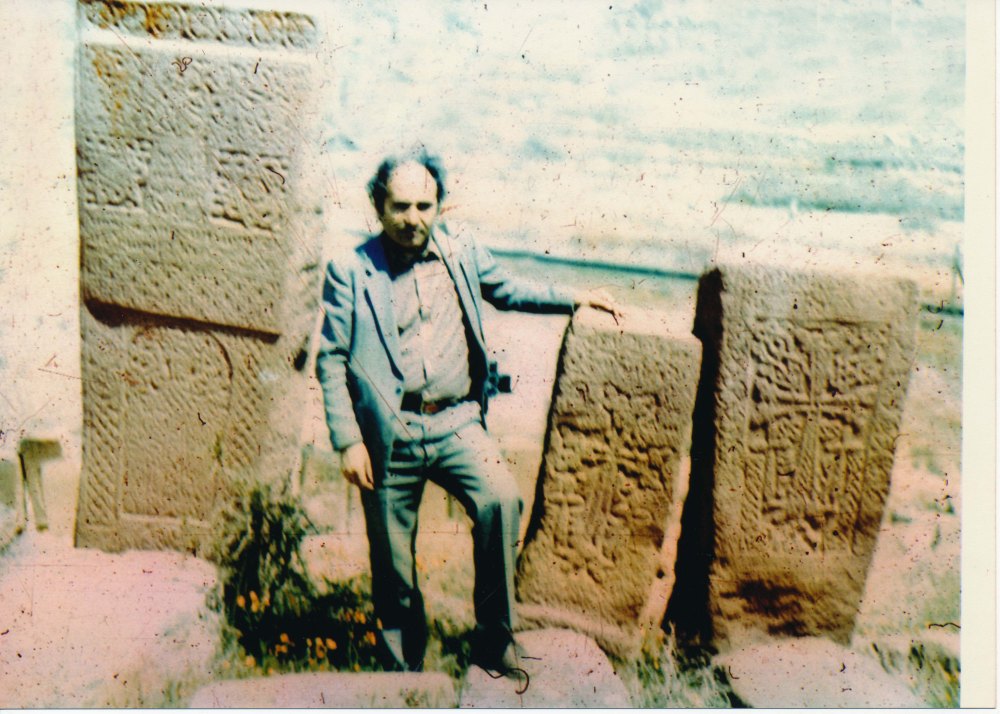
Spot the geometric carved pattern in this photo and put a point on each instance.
(194, 187)
(123, 174)
(175, 414)
(199, 230)
(814, 387)
(594, 557)
(202, 22)
(248, 190)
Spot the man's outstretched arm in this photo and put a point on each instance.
(504, 291)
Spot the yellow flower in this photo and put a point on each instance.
(241, 601)
(360, 617)
(249, 661)
(357, 667)
(284, 638)
(370, 637)
(331, 643)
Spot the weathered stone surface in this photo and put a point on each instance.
(599, 552)
(801, 395)
(330, 689)
(813, 672)
(86, 629)
(199, 212)
(562, 669)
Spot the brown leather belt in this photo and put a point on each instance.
(414, 402)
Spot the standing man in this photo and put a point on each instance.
(403, 366)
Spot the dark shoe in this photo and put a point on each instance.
(511, 659)
(509, 662)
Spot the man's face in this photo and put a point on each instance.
(411, 206)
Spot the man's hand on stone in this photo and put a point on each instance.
(356, 466)
(600, 299)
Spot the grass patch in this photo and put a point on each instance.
(669, 676)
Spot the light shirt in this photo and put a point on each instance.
(432, 332)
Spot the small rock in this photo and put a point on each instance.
(563, 668)
(330, 689)
(812, 672)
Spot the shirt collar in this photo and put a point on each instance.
(400, 264)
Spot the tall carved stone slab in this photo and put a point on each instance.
(199, 221)
(798, 413)
(599, 552)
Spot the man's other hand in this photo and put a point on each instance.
(356, 466)
(600, 299)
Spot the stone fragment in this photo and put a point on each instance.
(562, 669)
(800, 399)
(12, 516)
(384, 690)
(33, 452)
(199, 217)
(813, 672)
(599, 551)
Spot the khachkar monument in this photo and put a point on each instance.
(795, 426)
(600, 549)
(198, 226)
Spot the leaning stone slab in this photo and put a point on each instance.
(599, 552)
(798, 412)
(330, 689)
(813, 672)
(199, 216)
(561, 669)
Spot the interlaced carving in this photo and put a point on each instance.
(813, 391)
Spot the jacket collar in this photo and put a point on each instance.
(378, 293)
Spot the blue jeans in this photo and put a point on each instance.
(454, 451)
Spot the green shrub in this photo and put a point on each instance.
(276, 617)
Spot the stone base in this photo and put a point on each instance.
(562, 668)
(330, 689)
(812, 672)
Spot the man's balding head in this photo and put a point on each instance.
(379, 183)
